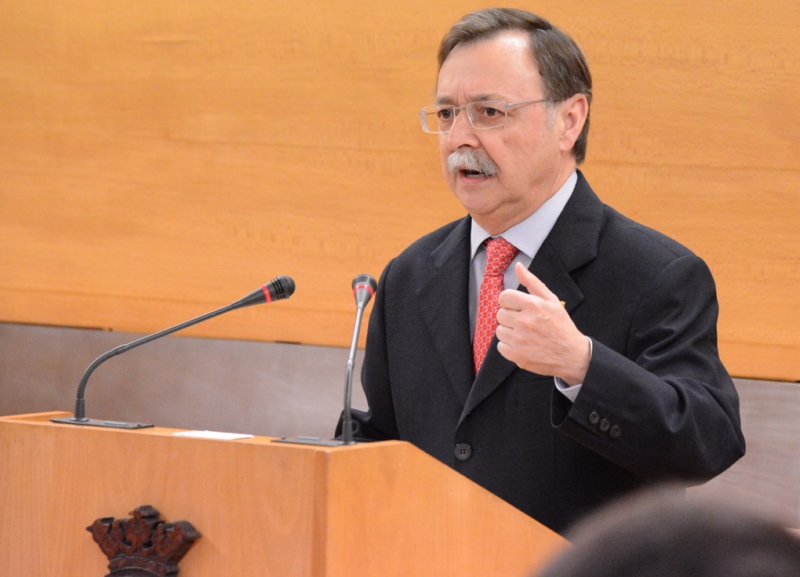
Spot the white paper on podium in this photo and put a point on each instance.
(212, 435)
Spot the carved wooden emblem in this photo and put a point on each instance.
(143, 546)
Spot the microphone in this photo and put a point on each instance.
(364, 287)
(277, 289)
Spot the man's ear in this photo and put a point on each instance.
(572, 115)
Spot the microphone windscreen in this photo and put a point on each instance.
(280, 288)
(364, 287)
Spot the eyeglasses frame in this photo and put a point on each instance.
(423, 113)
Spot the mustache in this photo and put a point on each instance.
(471, 159)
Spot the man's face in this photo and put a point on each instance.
(529, 162)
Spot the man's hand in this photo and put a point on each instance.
(537, 333)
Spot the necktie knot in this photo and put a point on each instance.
(499, 254)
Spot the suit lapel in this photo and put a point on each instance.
(571, 244)
(444, 308)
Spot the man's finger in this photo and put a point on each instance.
(535, 287)
(512, 300)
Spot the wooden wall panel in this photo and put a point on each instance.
(158, 160)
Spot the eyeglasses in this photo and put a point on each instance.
(439, 118)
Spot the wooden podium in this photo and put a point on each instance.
(263, 508)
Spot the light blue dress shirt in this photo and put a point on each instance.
(528, 236)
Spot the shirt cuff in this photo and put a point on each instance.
(571, 391)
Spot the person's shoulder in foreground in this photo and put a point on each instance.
(659, 534)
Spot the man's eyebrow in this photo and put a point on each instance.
(475, 98)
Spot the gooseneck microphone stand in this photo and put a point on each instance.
(279, 288)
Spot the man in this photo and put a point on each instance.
(604, 373)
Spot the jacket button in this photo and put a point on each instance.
(463, 451)
(604, 425)
(594, 418)
(615, 432)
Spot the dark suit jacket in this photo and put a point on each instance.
(656, 403)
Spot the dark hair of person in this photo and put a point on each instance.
(560, 61)
(660, 535)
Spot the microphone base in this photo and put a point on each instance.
(100, 423)
(300, 440)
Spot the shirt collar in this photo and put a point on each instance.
(529, 235)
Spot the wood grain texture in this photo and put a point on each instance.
(262, 509)
(160, 160)
(471, 535)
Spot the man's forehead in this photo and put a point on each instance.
(494, 68)
(512, 43)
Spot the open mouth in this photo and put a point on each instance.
(473, 174)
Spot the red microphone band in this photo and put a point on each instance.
(366, 286)
(266, 293)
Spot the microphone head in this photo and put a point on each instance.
(364, 287)
(279, 288)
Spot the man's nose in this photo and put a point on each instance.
(462, 132)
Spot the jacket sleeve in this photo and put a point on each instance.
(665, 408)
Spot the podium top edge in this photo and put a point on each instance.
(44, 420)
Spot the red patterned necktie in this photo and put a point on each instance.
(499, 254)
